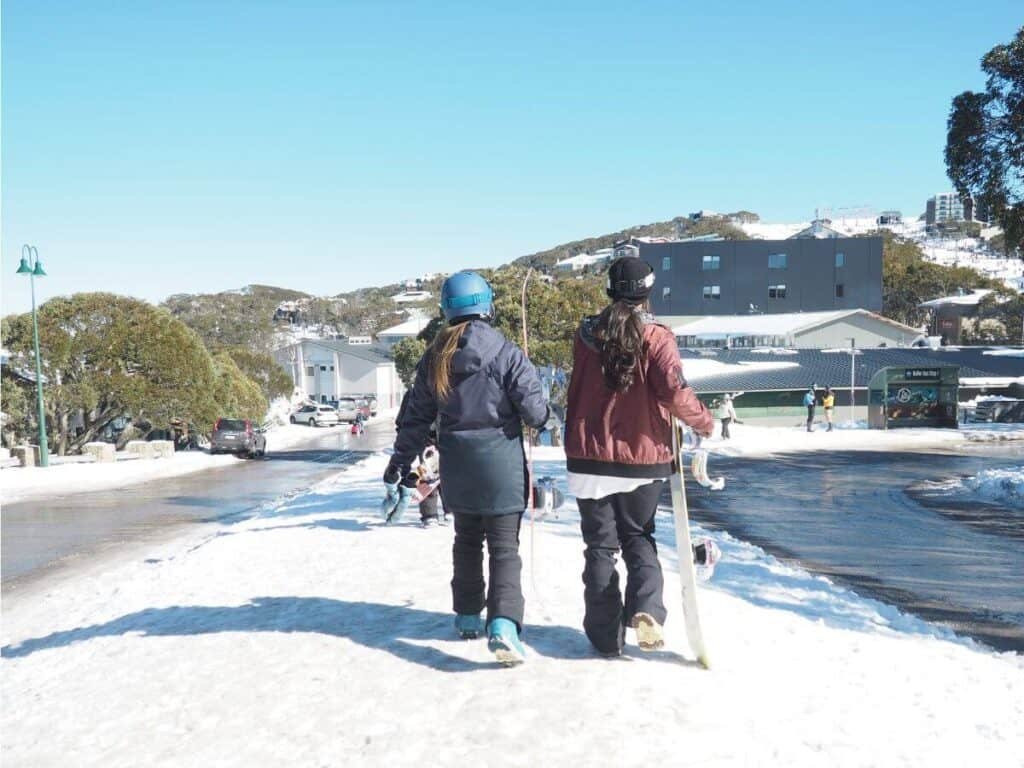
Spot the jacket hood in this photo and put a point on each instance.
(589, 324)
(479, 345)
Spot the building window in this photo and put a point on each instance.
(777, 291)
(332, 367)
(710, 262)
(839, 290)
(666, 263)
(840, 260)
(666, 292)
(323, 367)
(712, 291)
(776, 261)
(310, 370)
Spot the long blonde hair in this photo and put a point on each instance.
(441, 352)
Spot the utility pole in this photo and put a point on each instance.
(853, 374)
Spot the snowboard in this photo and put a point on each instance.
(684, 549)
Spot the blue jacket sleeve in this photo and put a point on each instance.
(524, 389)
(418, 411)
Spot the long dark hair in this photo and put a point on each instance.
(620, 334)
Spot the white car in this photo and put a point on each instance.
(316, 416)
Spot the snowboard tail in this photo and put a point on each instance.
(684, 550)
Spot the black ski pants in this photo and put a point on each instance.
(725, 427)
(626, 521)
(428, 507)
(470, 594)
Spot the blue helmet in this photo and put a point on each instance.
(465, 294)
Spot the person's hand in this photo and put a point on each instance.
(555, 420)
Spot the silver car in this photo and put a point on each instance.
(316, 416)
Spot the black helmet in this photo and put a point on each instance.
(630, 279)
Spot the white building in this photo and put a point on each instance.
(325, 370)
(799, 330)
(579, 261)
(409, 329)
(409, 297)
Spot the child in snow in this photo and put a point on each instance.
(357, 425)
(427, 483)
(627, 379)
(481, 388)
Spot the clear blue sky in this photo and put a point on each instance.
(161, 147)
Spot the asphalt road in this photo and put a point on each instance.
(43, 536)
(874, 521)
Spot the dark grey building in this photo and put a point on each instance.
(734, 277)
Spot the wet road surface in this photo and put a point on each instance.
(865, 520)
(43, 536)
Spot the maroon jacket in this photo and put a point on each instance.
(628, 434)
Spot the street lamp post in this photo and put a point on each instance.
(853, 375)
(31, 266)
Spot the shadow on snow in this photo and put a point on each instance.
(395, 629)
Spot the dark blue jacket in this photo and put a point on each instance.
(494, 389)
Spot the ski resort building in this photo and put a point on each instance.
(773, 380)
(410, 329)
(764, 277)
(325, 370)
(798, 330)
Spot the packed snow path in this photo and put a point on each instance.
(311, 635)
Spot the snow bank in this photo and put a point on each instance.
(752, 440)
(1002, 486)
(29, 483)
(309, 634)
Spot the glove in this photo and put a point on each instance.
(555, 420)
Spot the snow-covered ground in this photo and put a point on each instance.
(754, 440)
(312, 635)
(27, 484)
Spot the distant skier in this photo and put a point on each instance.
(481, 388)
(810, 400)
(627, 379)
(829, 403)
(727, 415)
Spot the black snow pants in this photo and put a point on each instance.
(725, 427)
(810, 418)
(470, 594)
(428, 507)
(626, 521)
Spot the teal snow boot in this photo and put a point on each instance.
(469, 625)
(503, 642)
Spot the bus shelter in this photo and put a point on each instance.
(914, 397)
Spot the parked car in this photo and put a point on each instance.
(371, 404)
(347, 408)
(316, 415)
(238, 436)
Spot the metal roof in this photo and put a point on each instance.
(832, 368)
(369, 352)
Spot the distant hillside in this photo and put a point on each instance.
(242, 317)
(675, 229)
